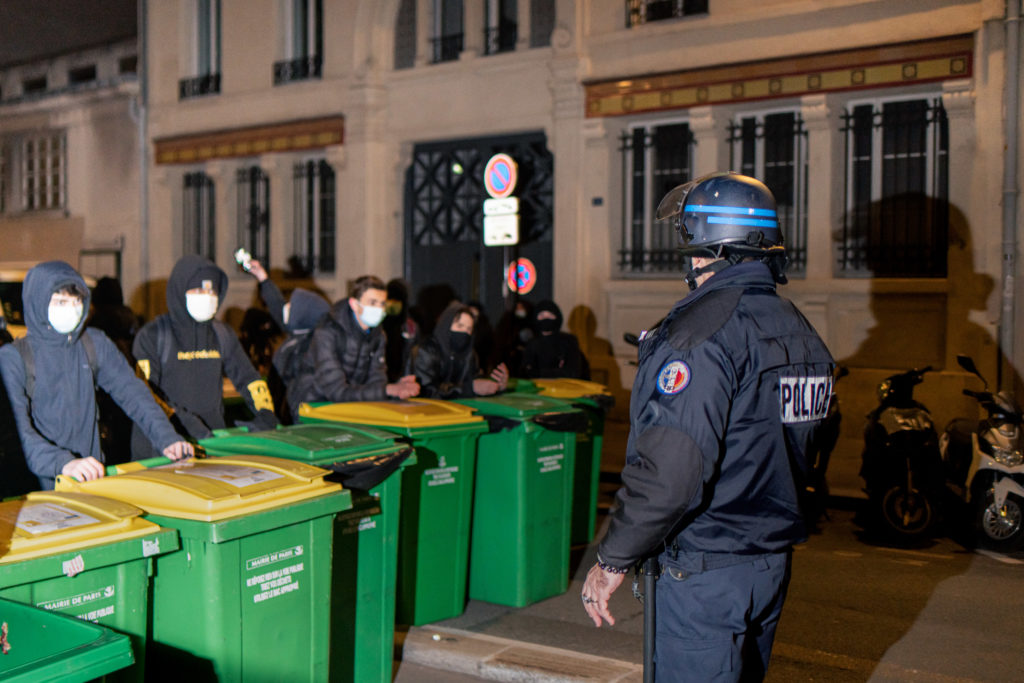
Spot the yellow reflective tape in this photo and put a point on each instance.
(144, 366)
(260, 393)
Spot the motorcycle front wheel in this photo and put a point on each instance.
(907, 512)
(999, 529)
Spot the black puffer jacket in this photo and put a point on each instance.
(442, 372)
(344, 362)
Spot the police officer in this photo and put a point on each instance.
(730, 388)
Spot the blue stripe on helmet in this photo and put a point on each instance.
(753, 222)
(700, 208)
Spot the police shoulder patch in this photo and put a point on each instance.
(673, 377)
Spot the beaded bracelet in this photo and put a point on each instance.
(610, 569)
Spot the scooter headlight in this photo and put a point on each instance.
(1007, 457)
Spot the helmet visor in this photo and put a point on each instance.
(673, 202)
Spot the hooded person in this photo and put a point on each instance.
(51, 375)
(551, 352)
(185, 353)
(446, 365)
(300, 316)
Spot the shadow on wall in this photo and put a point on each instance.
(600, 355)
(910, 245)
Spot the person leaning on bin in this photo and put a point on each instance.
(185, 354)
(709, 484)
(446, 365)
(551, 352)
(345, 360)
(51, 374)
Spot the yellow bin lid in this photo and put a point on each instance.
(214, 489)
(412, 413)
(570, 388)
(52, 522)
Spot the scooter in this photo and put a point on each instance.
(985, 466)
(901, 465)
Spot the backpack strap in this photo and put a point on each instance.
(223, 338)
(28, 360)
(90, 353)
(30, 366)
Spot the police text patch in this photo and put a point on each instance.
(804, 399)
(673, 377)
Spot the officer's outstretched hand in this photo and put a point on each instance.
(179, 450)
(84, 469)
(597, 590)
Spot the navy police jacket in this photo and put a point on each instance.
(729, 391)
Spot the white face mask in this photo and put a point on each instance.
(64, 319)
(201, 306)
(372, 315)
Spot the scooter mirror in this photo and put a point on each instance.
(967, 363)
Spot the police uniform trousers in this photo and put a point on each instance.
(716, 615)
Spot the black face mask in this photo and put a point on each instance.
(547, 325)
(459, 341)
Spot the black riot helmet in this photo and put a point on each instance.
(726, 215)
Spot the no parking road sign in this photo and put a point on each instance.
(522, 276)
(500, 176)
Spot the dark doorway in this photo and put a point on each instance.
(444, 195)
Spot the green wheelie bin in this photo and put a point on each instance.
(365, 460)
(519, 548)
(37, 645)
(437, 497)
(595, 401)
(247, 597)
(83, 556)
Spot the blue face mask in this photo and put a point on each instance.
(371, 315)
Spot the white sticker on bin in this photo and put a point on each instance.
(41, 518)
(239, 477)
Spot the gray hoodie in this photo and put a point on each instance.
(58, 422)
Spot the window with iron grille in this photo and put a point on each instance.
(305, 43)
(254, 212)
(405, 35)
(896, 222)
(198, 228)
(314, 217)
(205, 58)
(502, 22)
(644, 11)
(447, 30)
(42, 172)
(772, 147)
(655, 159)
(542, 22)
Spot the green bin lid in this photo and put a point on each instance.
(312, 443)
(38, 645)
(51, 522)
(518, 406)
(216, 488)
(411, 414)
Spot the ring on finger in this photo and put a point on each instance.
(587, 601)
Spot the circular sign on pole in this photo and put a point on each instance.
(500, 176)
(522, 276)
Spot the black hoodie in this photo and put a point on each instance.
(307, 309)
(58, 422)
(186, 360)
(441, 371)
(556, 354)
